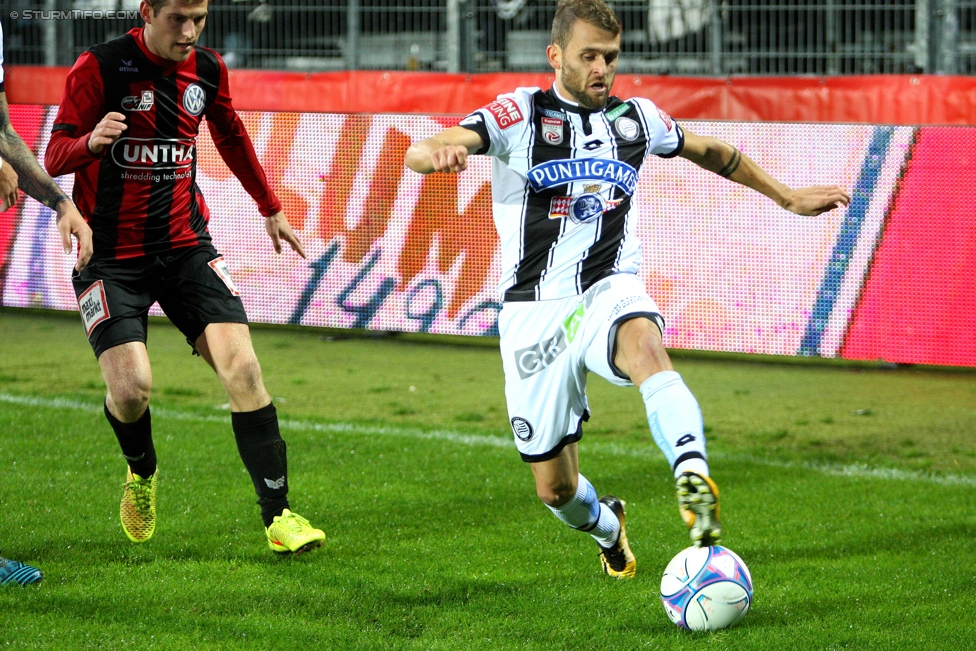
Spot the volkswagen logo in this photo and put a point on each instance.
(194, 99)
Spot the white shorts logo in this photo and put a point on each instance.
(93, 306)
(194, 99)
(219, 265)
(522, 429)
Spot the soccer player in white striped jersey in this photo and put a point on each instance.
(565, 163)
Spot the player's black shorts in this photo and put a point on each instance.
(191, 284)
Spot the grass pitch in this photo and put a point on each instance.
(847, 491)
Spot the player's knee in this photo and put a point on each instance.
(556, 493)
(130, 399)
(244, 374)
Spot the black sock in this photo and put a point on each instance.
(136, 442)
(263, 453)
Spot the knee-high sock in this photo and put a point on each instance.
(675, 421)
(263, 453)
(136, 442)
(586, 513)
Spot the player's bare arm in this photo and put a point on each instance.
(106, 132)
(279, 229)
(8, 186)
(722, 158)
(22, 168)
(448, 151)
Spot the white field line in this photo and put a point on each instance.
(858, 470)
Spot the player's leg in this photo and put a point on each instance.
(571, 498)
(204, 304)
(675, 421)
(545, 392)
(128, 378)
(227, 348)
(113, 300)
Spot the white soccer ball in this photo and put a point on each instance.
(706, 588)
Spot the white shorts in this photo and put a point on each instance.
(547, 348)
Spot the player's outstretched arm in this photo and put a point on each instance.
(279, 229)
(36, 183)
(725, 160)
(448, 151)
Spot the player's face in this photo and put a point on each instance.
(585, 68)
(173, 31)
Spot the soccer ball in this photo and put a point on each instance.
(706, 588)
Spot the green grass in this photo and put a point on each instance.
(848, 491)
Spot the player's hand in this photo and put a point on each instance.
(8, 187)
(70, 222)
(106, 132)
(450, 158)
(279, 229)
(816, 199)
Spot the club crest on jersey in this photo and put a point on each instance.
(555, 173)
(552, 130)
(505, 111)
(626, 128)
(194, 99)
(142, 102)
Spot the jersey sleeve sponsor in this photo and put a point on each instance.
(505, 121)
(664, 136)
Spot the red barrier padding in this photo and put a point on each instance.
(877, 99)
(918, 305)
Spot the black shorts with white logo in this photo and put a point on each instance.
(191, 285)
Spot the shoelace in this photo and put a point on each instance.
(140, 494)
(295, 522)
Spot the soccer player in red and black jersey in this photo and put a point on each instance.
(127, 129)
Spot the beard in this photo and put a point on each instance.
(575, 84)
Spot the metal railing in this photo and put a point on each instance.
(689, 37)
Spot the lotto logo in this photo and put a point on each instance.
(506, 112)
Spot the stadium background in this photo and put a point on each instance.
(888, 278)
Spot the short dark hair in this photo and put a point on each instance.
(156, 5)
(594, 12)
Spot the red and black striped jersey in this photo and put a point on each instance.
(140, 195)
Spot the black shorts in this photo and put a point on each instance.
(191, 285)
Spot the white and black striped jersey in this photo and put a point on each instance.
(563, 178)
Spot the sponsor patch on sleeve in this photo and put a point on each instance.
(666, 119)
(93, 306)
(219, 265)
(506, 112)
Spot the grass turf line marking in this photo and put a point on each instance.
(856, 470)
